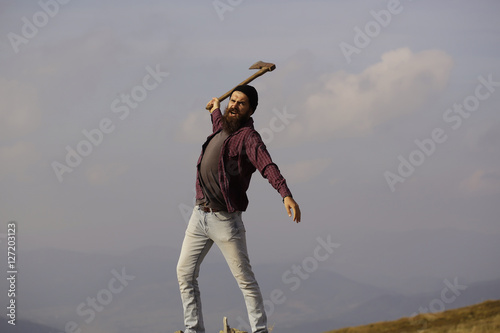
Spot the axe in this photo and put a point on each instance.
(263, 67)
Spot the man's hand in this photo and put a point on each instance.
(290, 204)
(213, 105)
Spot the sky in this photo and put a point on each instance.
(382, 116)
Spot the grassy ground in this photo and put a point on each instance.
(480, 318)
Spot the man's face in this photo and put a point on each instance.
(239, 105)
(238, 111)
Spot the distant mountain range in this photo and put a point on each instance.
(138, 292)
(24, 326)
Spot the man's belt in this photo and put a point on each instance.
(210, 210)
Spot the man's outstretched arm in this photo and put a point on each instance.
(261, 159)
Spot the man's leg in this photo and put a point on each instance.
(195, 246)
(228, 232)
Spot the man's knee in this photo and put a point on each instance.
(246, 279)
(182, 273)
(182, 270)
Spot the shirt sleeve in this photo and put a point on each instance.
(216, 120)
(259, 156)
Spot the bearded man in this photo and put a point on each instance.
(229, 157)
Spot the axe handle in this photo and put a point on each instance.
(250, 79)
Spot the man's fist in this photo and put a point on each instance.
(213, 105)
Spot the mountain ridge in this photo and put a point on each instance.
(480, 318)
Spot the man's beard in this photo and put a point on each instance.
(231, 124)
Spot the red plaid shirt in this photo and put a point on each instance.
(242, 153)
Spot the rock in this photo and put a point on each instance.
(228, 329)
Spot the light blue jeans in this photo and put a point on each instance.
(228, 232)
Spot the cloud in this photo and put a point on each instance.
(194, 128)
(481, 182)
(19, 113)
(353, 104)
(102, 174)
(484, 137)
(16, 159)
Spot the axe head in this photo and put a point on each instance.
(260, 65)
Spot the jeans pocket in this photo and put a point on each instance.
(230, 224)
